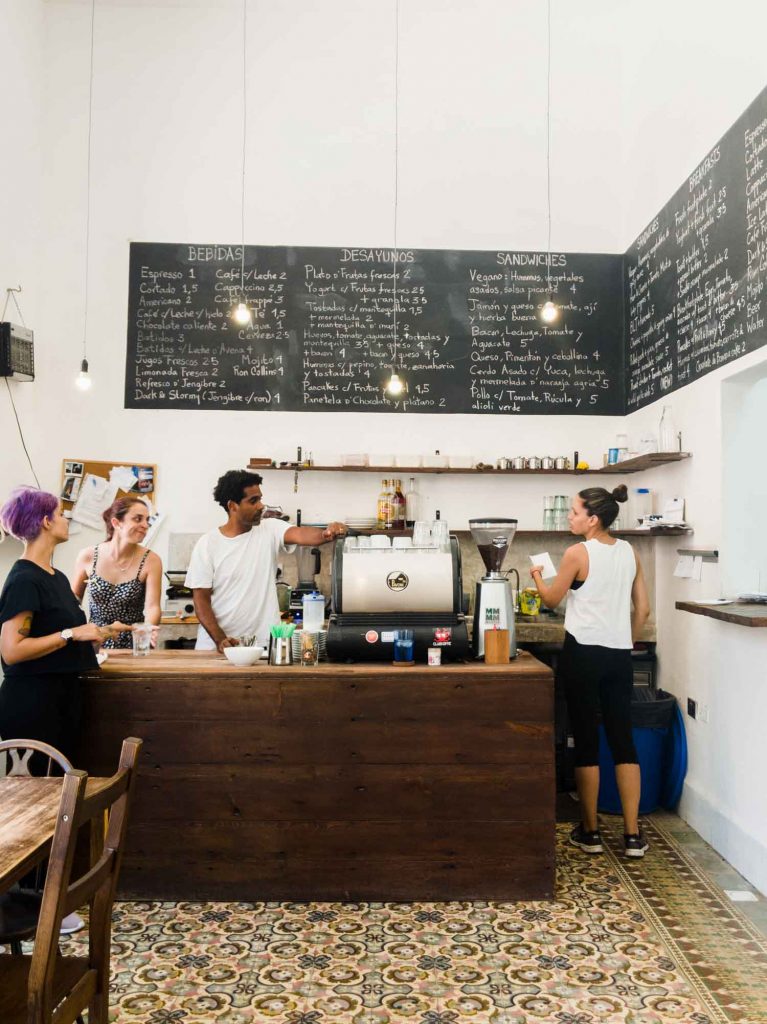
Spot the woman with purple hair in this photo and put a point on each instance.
(45, 641)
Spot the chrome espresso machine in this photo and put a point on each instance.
(378, 589)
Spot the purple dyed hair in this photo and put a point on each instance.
(23, 513)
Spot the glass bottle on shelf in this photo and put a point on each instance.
(384, 513)
(412, 504)
(667, 439)
(398, 506)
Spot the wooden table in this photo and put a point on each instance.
(28, 809)
(339, 782)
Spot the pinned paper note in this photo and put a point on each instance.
(123, 477)
(683, 569)
(96, 495)
(697, 567)
(548, 570)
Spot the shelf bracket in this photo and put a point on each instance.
(707, 554)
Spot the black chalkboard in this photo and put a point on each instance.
(469, 338)
(695, 277)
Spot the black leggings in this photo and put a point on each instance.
(598, 679)
(46, 707)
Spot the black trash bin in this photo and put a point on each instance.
(651, 717)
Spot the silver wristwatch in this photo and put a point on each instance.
(67, 634)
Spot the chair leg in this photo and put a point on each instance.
(16, 947)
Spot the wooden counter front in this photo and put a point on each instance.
(340, 782)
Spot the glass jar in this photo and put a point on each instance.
(667, 439)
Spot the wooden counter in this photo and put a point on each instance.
(340, 782)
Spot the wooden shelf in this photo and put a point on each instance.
(739, 613)
(637, 465)
(656, 532)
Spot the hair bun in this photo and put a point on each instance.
(621, 492)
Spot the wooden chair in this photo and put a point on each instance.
(19, 910)
(46, 986)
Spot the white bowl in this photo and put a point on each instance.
(243, 655)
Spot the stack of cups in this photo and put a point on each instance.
(561, 508)
(548, 512)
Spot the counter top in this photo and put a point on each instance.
(739, 613)
(210, 663)
(550, 629)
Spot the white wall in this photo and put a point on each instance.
(166, 166)
(689, 71)
(21, 76)
(638, 95)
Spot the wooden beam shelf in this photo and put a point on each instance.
(637, 465)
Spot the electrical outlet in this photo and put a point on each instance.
(692, 707)
(703, 712)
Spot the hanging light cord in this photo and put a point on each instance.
(396, 172)
(548, 143)
(10, 294)
(244, 138)
(88, 186)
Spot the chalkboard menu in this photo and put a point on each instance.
(469, 337)
(695, 277)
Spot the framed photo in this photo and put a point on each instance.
(73, 469)
(71, 486)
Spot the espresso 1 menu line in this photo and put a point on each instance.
(469, 338)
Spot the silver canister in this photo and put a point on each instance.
(561, 462)
(547, 462)
(281, 651)
(534, 462)
(518, 462)
(503, 463)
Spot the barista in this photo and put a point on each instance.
(233, 567)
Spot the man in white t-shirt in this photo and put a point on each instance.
(233, 568)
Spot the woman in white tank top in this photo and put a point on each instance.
(607, 606)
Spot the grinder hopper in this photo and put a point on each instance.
(493, 537)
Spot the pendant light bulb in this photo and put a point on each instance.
(395, 385)
(241, 314)
(83, 381)
(549, 311)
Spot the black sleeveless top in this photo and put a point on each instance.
(116, 602)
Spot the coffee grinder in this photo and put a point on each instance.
(493, 602)
(308, 565)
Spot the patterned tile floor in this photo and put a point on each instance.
(635, 942)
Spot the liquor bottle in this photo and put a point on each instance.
(385, 510)
(398, 506)
(412, 504)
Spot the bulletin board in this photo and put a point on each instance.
(74, 470)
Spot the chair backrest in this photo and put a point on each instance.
(97, 886)
(22, 750)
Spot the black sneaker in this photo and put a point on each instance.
(635, 845)
(589, 842)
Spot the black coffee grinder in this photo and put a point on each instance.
(494, 601)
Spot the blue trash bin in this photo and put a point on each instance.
(651, 718)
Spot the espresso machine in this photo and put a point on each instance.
(494, 602)
(379, 590)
